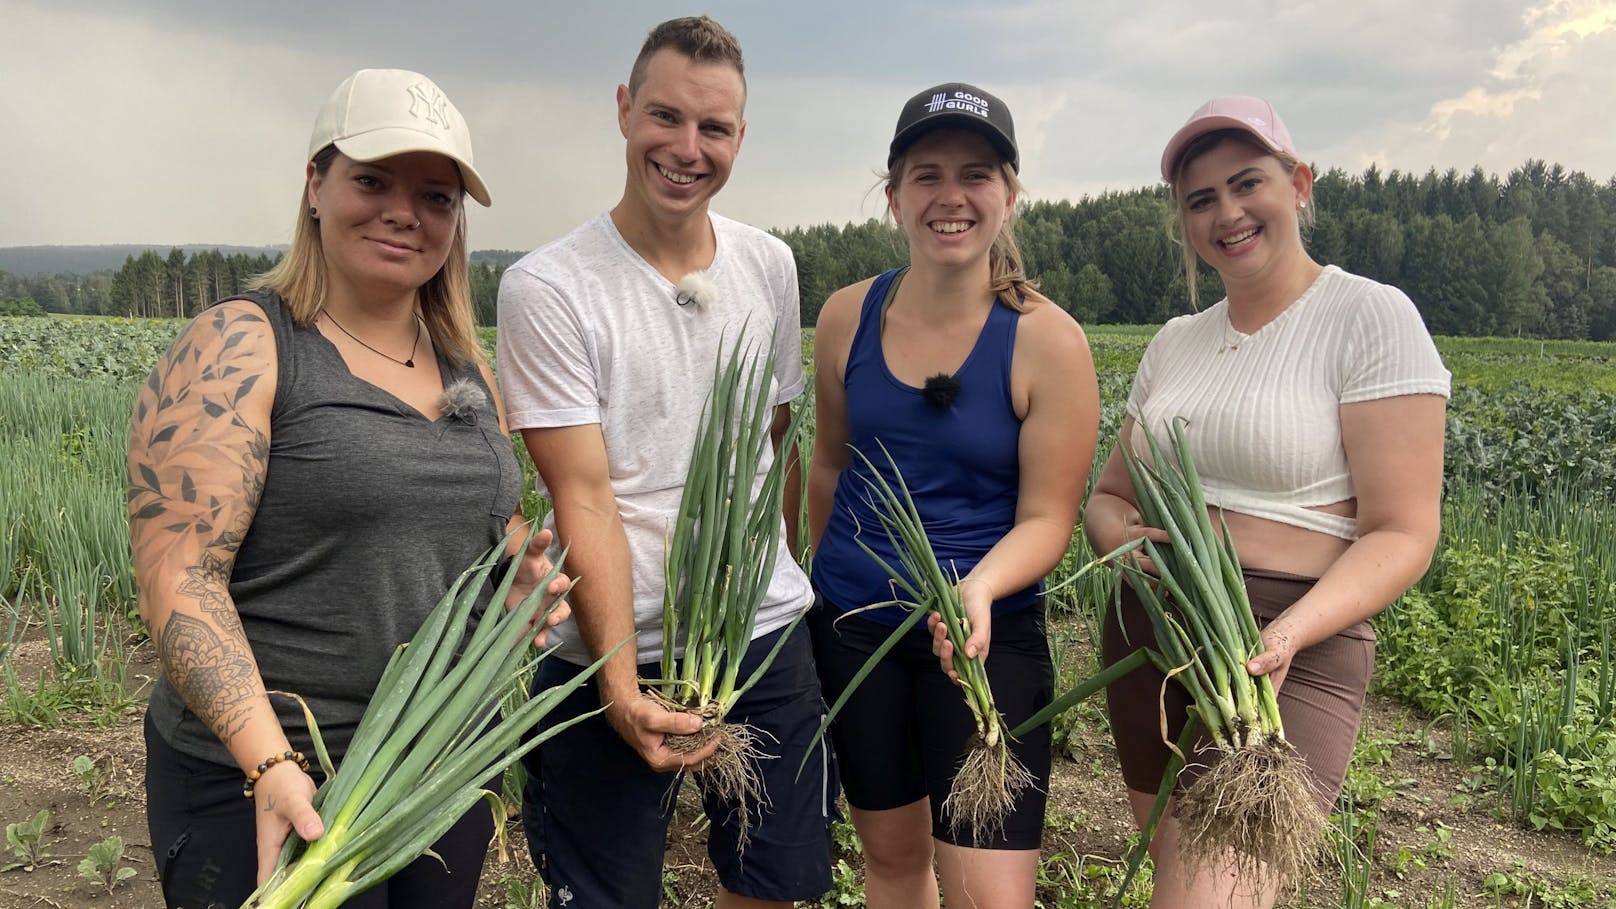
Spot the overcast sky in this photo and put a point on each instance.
(187, 121)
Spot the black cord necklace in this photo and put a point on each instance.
(410, 362)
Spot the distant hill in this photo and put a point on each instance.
(28, 261)
(499, 258)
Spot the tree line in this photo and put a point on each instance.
(1532, 253)
(149, 285)
(155, 286)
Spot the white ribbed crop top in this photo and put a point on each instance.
(1263, 409)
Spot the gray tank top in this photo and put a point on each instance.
(369, 513)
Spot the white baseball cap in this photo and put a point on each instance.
(378, 113)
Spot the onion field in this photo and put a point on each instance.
(1504, 655)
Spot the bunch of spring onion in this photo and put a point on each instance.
(1255, 802)
(720, 558)
(429, 739)
(990, 778)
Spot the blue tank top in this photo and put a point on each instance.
(962, 464)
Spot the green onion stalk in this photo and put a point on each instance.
(719, 559)
(1255, 802)
(429, 739)
(990, 777)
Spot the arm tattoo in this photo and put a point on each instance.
(209, 672)
(196, 472)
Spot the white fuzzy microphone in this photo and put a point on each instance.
(696, 287)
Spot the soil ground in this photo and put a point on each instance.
(1432, 829)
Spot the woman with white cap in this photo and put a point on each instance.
(985, 394)
(311, 465)
(1315, 402)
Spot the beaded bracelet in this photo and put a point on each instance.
(295, 757)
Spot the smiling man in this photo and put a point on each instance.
(606, 364)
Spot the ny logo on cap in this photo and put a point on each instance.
(434, 102)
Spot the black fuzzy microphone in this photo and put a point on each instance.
(941, 390)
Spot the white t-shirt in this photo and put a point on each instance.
(589, 332)
(1264, 409)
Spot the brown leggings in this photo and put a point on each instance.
(1321, 700)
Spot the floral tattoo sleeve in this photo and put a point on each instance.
(198, 450)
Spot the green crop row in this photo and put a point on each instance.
(85, 347)
(64, 543)
(1509, 636)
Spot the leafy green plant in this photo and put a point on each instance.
(1365, 788)
(1520, 441)
(847, 887)
(76, 348)
(1370, 751)
(89, 775)
(670, 887)
(1510, 637)
(523, 892)
(1438, 848)
(27, 842)
(847, 878)
(1578, 793)
(1070, 880)
(104, 865)
(1524, 887)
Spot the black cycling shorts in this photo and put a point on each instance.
(902, 735)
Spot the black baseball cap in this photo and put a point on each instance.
(956, 105)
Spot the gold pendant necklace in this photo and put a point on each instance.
(1232, 338)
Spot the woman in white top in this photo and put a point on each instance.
(1315, 402)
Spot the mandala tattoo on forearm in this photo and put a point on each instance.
(210, 672)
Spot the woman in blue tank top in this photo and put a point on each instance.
(984, 393)
(310, 466)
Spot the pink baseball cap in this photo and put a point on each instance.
(1251, 115)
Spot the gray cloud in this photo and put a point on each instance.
(170, 121)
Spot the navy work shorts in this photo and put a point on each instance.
(597, 817)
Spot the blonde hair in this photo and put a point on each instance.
(444, 300)
(1200, 146)
(1007, 271)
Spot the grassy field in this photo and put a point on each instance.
(1501, 658)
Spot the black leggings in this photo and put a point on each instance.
(204, 840)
